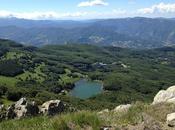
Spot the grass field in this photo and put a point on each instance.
(83, 119)
(9, 81)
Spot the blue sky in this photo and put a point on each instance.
(86, 9)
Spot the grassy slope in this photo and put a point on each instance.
(9, 81)
(91, 120)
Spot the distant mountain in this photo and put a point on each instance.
(127, 32)
(25, 23)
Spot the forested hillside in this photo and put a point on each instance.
(43, 73)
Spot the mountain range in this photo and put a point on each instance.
(138, 32)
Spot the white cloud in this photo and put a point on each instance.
(158, 8)
(93, 3)
(67, 15)
(40, 15)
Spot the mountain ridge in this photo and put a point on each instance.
(139, 32)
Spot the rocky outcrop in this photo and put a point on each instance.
(171, 120)
(165, 96)
(52, 107)
(21, 109)
(24, 108)
(122, 108)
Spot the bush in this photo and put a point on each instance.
(114, 83)
(14, 95)
(10, 68)
(3, 90)
(45, 96)
(55, 89)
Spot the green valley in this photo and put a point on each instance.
(42, 73)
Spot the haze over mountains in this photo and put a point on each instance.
(136, 32)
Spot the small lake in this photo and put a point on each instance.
(85, 89)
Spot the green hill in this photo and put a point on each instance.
(42, 73)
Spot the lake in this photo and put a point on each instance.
(85, 89)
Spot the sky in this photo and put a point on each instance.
(86, 9)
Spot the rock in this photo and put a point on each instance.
(1, 107)
(167, 96)
(22, 108)
(21, 101)
(32, 109)
(2, 112)
(171, 120)
(10, 114)
(64, 92)
(172, 88)
(106, 128)
(52, 107)
(122, 108)
(103, 111)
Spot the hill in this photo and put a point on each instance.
(136, 32)
(43, 73)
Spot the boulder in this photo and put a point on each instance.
(1, 107)
(32, 109)
(21, 101)
(64, 92)
(10, 114)
(171, 120)
(103, 111)
(21, 109)
(52, 107)
(165, 96)
(122, 108)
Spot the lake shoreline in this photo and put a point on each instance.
(85, 88)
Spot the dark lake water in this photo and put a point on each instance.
(85, 89)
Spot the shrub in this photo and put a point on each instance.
(10, 68)
(56, 89)
(14, 95)
(3, 90)
(45, 96)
